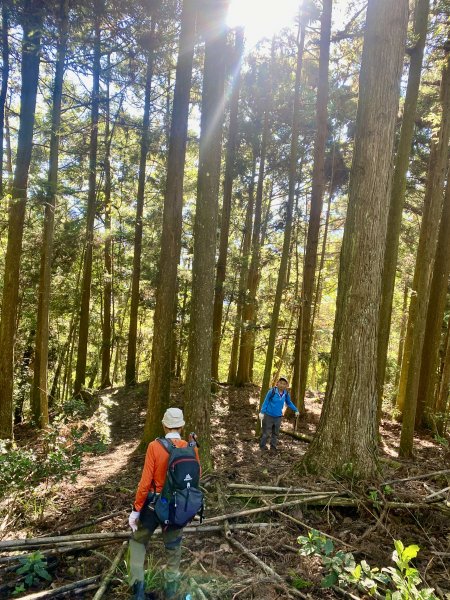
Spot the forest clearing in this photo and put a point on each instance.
(225, 307)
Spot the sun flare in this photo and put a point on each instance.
(262, 18)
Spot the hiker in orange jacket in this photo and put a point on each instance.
(144, 522)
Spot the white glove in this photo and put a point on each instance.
(132, 519)
(261, 416)
(297, 413)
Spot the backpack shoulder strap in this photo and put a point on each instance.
(166, 444)
(272, 394)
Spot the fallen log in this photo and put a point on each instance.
(309, 528)
(63, 549)
(13, 545)
(416, 477)
(110, 572)
(270, 488)
(269, 507)
(304, 437)
(90, 523)
(70, 587)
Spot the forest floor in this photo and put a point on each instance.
(109, 475)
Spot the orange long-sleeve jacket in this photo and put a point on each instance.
(155, 469)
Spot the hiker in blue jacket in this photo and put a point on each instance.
(272, 411)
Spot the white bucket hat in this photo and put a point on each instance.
(173, 418)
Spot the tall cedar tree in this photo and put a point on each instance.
(31, 18)
(317, 192)
(346, 438)
(248, 326)
(243, 274)
(159, 385)
(130, 371)
(198, 373)
(219, 295)
(293, 158)
(435, 317)
(105, 378)
(399, 188)
(4, 85)
(426, 251)
(39, 391)
(83, 334)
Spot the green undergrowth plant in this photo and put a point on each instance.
(399, 582)
(53, 458)
(34, 567)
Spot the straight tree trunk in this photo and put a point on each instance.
(39, 389)
(435, 317)
(198, 375)
(83, 334)
(4, 85)
(441, 399)
(227, 197)
(159, 385)
(404, 322)
(249, 309)
(426, 251)
(293, 159)
(346, 438)
(31, 45)
(317, 192)
(399, 188)
(243, 276)
(130, 372)
(105, 379)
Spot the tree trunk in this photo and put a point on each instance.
(105, 379)
(435, 317)
(441, 399)
(159, 385)
(4, 86)
(346, 438)
(282, 272)
(130, 372)
(317, 192)
(91, 209)
(249, 309)
(39, 390)
(32, 26)
(227, 196)
(399, 188)
(198, 375)
(426, 251)
(404, 321)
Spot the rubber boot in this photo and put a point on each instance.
(171, 590)
(138, 590)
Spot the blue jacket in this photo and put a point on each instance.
(273, 403)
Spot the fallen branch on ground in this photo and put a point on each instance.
(110, 572)
(269, 507)
(62, 549)
(13, 545)
(272, 488)
(416, 477)
(268, 570)
(304, 437)
(90, 523)
(308, 527)
(70, 587)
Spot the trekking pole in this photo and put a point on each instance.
(296, 421)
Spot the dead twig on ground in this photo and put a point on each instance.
(304, 437)
(70, 587)
(110, 572)
(268, 570)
